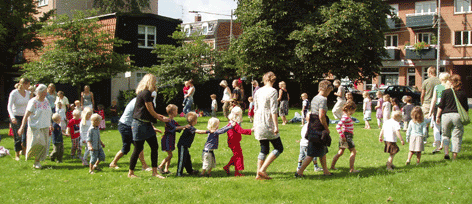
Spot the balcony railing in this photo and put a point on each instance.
(429, 53)
(392, 54)
(393, 23)
(420, 20)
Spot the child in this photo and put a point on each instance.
(305, 107)
(389, 134)
(168, 140)
(304, 147)
(73, 130)
(185, 141)
(250, 112)
(208, 157)
(214, 105)
(395, 104)
(386, 107)
(378, 108)
(57, 140)
(349, 96)
(78, 106)
(84, 126)
(101, 112)
(367, 109)
(406, 112)
(69, 114)
(62, 112)
(234, 141)
(185, 90)
(415, 133)
(114, 113)
(95, 144)
(345, 129)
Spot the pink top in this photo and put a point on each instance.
(345, 125)
(234, 135)
(185, 89)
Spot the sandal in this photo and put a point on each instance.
(91, 172)
(298, 175)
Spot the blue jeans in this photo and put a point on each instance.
(188, 105)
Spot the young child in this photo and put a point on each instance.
(185, 142)
(304, 146)
(95, 144)
(78, 106)
(250, 112)
(84, 126)
(386, 107)
(214, 105)
(62, 112)
(208, 156)
(69, 113)
(406, 112)
(378, 108)
(395, 104)
(345, 129)
(168, 139)
(389, 134)
(367, 109)
(185, 90)
(415, 133)
(101, 112)
(73, 130)
(57, 140)
(234, 141)
(114, 114)
(305, 108)
(349, 96)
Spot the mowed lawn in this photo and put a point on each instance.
(435, 180)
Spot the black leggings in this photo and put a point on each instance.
(265, 148)
(138, 148)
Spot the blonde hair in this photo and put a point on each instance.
(191, 117)
(213, 123)
(269, 76)
(350, 105)
(17, 85)
(40, 89)
(397, 115)
(443, 77)
(85, 112)
(55, 117)
(250, 99)
(213, 96)
(236, 114)
(336, 82)
(95, 117)
(386, 97)
(147, 83)
(170, 108)
(223, 82)
(22, 82)
(417, 114)
(254, 82)
(76, 101)
(304, 95)
(76, 112)
(379, 93)
(283, 84)
(60, 92)
(432, 71)
(365, 94)
(325, 85)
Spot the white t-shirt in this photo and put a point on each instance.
(226, 95)
(17, 103)
(304, 141)
(367, 104)
(40, 113)
(389, 128)
(83, 129)
(214, 105)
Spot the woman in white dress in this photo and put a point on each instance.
(226, 97)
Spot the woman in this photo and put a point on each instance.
(86, 98)
(63, 99)
(450, 118)
(283, 99)
(38, 116)
(437, 94)
(17, 102)
(226, 97)
(143, 118)
(318, 122)
(266, 125)
(341, 100)
(238, 93)
(255, 84)
(189, 97)
(52, 97)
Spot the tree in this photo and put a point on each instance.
(81, 52)
(306, 40)
(18, 29)
(133, 6)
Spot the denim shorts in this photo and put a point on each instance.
(95, 155)
(142, 130)
(126, 137)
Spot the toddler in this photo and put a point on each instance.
(415, 133)
(305, 108)
(304, 147)
(214, 105)
(386, 107)
(185, 141)
(69, 113)
(208, 156)
(345, 129)
(389, 134)
(62, 112)
(406, 112)
(395, 104)
(57, 140)
(78, 106)
(367, 109)
(95, 144)
(114, 113)
(101, 112)
(250, 112)
(185, 90)
(73, 130)
(378, 108)
(234, 141)
(349, 96)
(84, 126)
(168, 140)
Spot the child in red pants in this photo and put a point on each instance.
(234, 139)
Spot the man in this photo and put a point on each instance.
(427, 94)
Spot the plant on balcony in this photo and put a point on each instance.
(420, 46)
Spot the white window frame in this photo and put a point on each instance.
(462, 36)
(391, 41)
(187, 30)
(395, 10)
(430, 5)
(462, 2)
(205, 32)
(427, 33)
(146, 33)
(42, 3)
(139, 76)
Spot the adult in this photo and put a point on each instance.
(265, 126)
(341, 100)
(38, 116)
(143, 118)
(86, 98)
(255, 84)
(226, 97)
(283, 100)
(448, 116)
(427, 94)
(51, 96)
(189, 97)
(437, 95)
(238, 93)
(17, 102)
(318, 122)
(63, 99)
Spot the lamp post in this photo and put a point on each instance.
(219, 14)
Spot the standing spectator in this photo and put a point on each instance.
(214, 105)
(17, 102)
(255, 84)
(86, 98)
(341, 100)
(63, 99)
(185, 90)
(283, 100)
(114, 113)
(52, 94)
(226, 97)
(437, 95)
(189, 97)
(427, 94)
(238, 93)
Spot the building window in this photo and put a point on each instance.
(139, 76)
(391, 41)
(425, 7)
(146, 36)
(205, 29)
(424, 37)
(463, 38)
(394, 9)
(187, 30)
(42, 2)
(462, 6)
(389, 76)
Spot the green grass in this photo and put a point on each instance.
(433, 181)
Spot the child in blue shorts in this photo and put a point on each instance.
(95, 144)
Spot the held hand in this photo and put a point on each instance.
(403, 142)
(187, 126)
(20, 131)
(252, 129)
(157, 130)
(438, 120)
(14, 121)
(380, 139)
(103, 145)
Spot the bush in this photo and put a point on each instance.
(124, 97)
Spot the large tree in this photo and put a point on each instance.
(306, 40)
(133, 6)
(18, 29)
(81, 52)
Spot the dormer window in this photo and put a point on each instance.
(205, 29)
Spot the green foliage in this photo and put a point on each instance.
(18, 29)
(132, 6)
(420, 46)
(124, 97)
(81, 53)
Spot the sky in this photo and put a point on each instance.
(179, 9)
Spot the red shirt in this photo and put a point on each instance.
(69, 115)
(74, 128)
(186, 88)
(234, 135)
(101, 113)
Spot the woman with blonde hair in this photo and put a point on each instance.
(86, 98)
(17, 102)
(52, 94)
(226, 97)
(437, 94)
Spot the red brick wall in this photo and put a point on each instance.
(223, 33)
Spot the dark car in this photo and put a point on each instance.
(397, 91)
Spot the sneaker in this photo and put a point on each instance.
(37, 165)
(144, 169)
(96, 168)
(317, 169)
(435, 151)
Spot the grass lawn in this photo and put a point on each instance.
(433, 181)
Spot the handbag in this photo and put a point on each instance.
(464, 116)
(316, 132)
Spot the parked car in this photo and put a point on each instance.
(397, 91)
(373, 93)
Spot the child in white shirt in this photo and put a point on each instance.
(389, 134)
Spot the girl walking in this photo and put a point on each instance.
(416, 132)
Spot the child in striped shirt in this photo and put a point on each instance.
(345, 129)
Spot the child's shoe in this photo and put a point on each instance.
(238, 174)
(95, 167)
(317, 169)
(226, 168)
